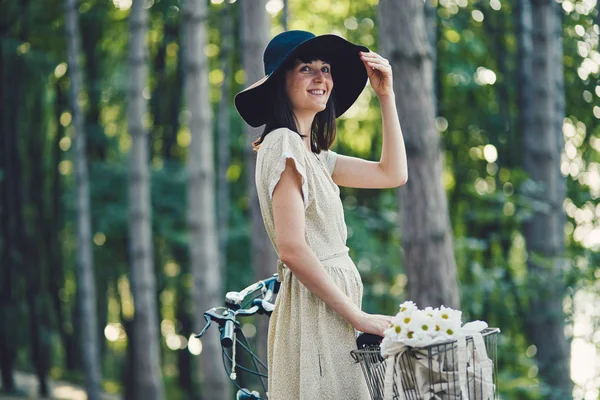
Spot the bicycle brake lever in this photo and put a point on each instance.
(264, 306)
(208, 321)
(268, 306)
(250, 311)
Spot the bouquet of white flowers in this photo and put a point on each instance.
(408, 342)
(414, 327)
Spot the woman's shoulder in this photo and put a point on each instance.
(277, 136)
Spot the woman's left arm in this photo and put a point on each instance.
(391, 170)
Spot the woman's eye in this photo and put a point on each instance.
(307, 68)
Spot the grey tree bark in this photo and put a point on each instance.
(223, 128)
(86, 286)
(203, 237)
(432, 35)
(285, 15)
(543, 142)
(426, 232)
(147, 381)
(255, 35)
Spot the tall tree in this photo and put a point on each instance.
(285, 15)
(166, 104)
(86, 287)
(255, 35)
(432, 34)
(145, 339)
(55, 222)
(426, 232)
(9, 192)
(203, 242)
(223, 129)
(543, 143)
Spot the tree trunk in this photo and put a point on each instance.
(170, 132)
(92, 31)
(55, 223)
(432, 35)
(203, 238)
(544, 233)
(166, 94)
(86, 288)
(223, 129)
(426, 231)
(146, 338)
(36, 256)
(285, 15)
(255, 35)
(8, 305)
(185, 317)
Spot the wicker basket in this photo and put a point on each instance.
(431, 372)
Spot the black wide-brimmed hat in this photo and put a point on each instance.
(348, 72)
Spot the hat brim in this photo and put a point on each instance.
(348, 72)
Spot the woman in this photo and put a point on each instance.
(310, 80)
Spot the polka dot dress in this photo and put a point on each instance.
(309, 344)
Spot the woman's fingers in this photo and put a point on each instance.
(378, 70)
(374, 57)
(375, 61)
(379, 65)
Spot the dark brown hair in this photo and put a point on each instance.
(281, 115)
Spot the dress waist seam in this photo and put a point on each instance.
(281, 267)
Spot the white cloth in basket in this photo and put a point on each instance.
(449, 377)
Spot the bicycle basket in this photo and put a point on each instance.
(432, 372)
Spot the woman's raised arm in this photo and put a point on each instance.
(392, 168)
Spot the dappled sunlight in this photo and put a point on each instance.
(114, 332)
(99, 238)
(585, 359)
(249, 330)
(194, 345)
(176, 342)
(167, 327)
(126, 297)
(65, 143)
(490, 153)
(485, 76)
(69, 392)
(60, 70)
(274, 6)
(123, 4)
(587, 217)
(172, 269)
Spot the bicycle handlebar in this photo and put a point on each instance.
(227, 319)
(227, 334)
(235, 299)
(255, 299)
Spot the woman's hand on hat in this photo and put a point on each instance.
(379, 72)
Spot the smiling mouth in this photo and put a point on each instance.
(317, 92)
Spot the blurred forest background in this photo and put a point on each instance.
(110, 103)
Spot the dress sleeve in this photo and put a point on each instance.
(331, 158)
(283, 144)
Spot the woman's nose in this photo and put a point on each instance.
(319, 76)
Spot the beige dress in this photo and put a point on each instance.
(309, 344)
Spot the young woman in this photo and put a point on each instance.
(309, 82)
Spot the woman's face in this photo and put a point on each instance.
(308, 86)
